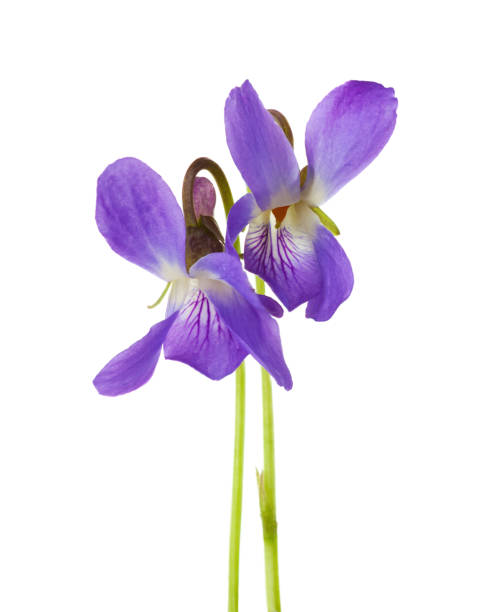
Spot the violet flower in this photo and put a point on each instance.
(213, 319)
(291, 249)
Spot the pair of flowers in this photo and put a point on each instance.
(214, 319)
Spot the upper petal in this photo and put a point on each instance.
(260, 149)
(134, 366)
(224, 282)
(346, 131)
(139, 217)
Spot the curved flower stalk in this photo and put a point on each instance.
(213, 319)
(290, 241)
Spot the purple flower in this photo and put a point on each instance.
(291, 249)
(213, 320)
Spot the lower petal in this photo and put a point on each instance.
(336, 275)
(285, 257)
(201, 339)
(133, 367)
(223, 280)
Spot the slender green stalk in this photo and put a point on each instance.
(204, 163)
(267, 491)
(159, 300)
(237, 496)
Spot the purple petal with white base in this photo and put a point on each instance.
(336, 277)
(134, 367)
(260, 149)
(285, 257)
(201, 339)
(346, 131)
(223, 281)
(240, 215)
(139, 217)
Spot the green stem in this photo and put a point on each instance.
(267, 491)
(204, 163)
(237, 496)
(159, 300)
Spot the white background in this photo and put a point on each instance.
(123, 504)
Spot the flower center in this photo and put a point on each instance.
(280, 214)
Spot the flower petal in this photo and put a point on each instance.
(134, 367)
(272, 306)
(223, 280)
(336, 275)
(139, 217)
(285, 257)
(346, 131)
(260, 149)
(201, 339)
(239, 217)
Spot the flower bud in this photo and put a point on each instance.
(198, 200)
(204, 197)
(201, 241)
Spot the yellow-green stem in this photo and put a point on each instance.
(204, 163)
(239, 427)
(267, 490)
(237, 495)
